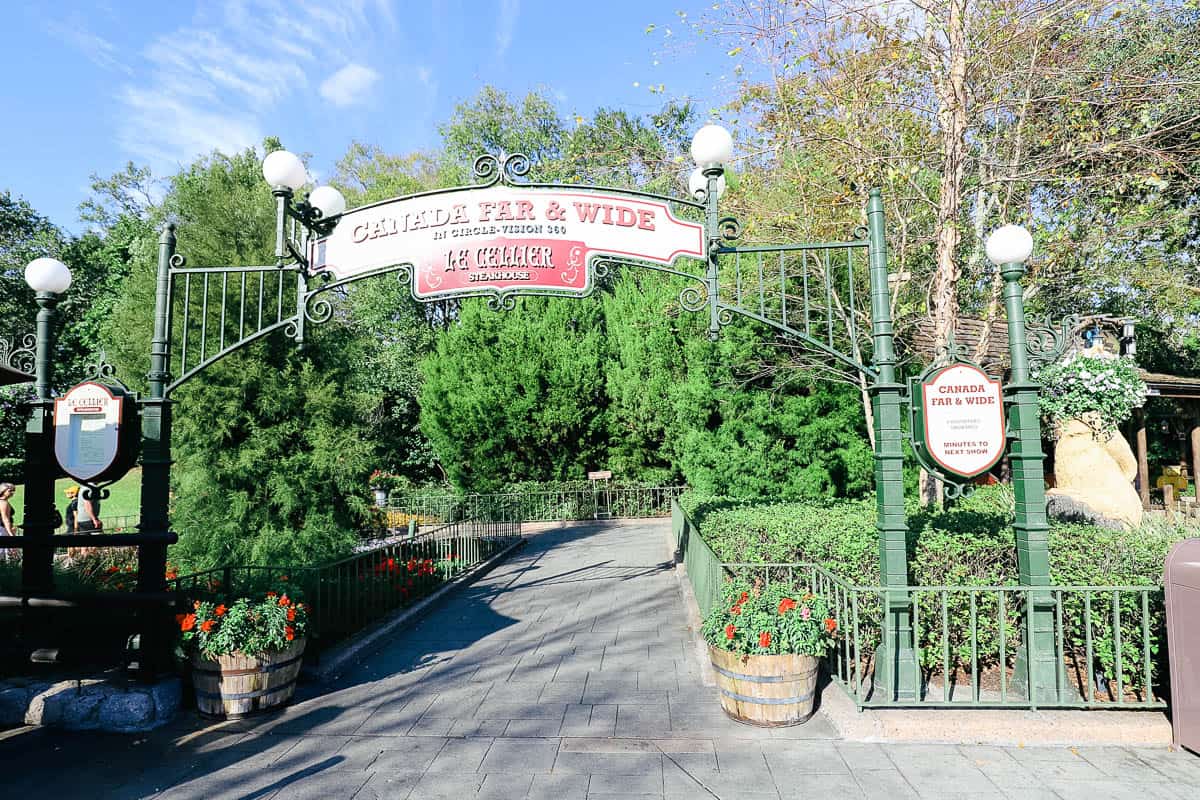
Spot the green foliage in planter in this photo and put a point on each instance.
(770, 620)
(1103, 389)
(247, 626)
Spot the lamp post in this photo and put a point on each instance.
(1037, 668)
(712, 146)
(48, 278)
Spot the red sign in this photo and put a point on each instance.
(502, 239)
(962, 420)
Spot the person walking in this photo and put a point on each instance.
(7, 527)
(87, 518)
(72, 493)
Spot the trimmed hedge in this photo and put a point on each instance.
(969, 544)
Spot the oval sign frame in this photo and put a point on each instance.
(109, 440)
(989, 395)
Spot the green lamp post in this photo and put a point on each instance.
(48, 278)
(1037, 668)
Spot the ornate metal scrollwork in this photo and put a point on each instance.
(318, 310)
(101, 371)
(502, 302)
(19, 353)
(956, 491)
(489, 169)
(516, 166)
(724, 316)
(730, 228)
(1045, 343)
(178, 261)
(693, 298)
(860, 232)
(602, 269)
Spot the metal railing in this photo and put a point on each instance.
(115, 524)
(599, 502)
(969, 640)
(349, 594)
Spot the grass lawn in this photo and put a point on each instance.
(124, 498)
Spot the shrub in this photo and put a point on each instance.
(757, 620)
(968, 544)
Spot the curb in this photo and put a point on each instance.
(692, 609)
(340, 656)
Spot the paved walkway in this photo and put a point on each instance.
(566, 673)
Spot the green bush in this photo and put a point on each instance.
(968, 544)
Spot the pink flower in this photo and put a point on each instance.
(805, 612)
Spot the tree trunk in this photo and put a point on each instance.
(949, 71)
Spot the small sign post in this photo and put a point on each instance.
(959, 424)
(95, 432)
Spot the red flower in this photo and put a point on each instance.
(412, 565)
(188, 622)
(764, 639)
(729, 629)
(289, 633)
(179, 618)
(272, 594)
(172, 574)
(208, 625)
(283, 578)
(786, 605)
(745, 596)
(291, 615)
(284, 602)
(831, 624)
(220, 610)
(196, 604)
(111, 570)
(736, 610)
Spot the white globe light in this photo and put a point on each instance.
(712, 145)
(329, 200)
(1010, 244)
(698, 184)
(285, 169)
(48, 275)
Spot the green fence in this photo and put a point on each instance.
(349, 594)
(594, 502)
(1110, 640)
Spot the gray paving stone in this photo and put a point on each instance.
(502, 710)
(536, 728)
(461, 755)
(447, 786)
(505, 786)
(409, 753)
(650, 783)
(609, 763)
(520, 755)
(805, 786)
(884, 784)
(558, 787)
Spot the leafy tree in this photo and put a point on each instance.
(518, 395)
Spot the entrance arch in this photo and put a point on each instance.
(505, 237)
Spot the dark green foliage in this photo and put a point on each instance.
(517, 396)
(273, 471)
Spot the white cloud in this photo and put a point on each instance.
(217, 82)
(506, 25)
(99, 50)
(349, 86)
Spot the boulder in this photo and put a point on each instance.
(1093, 475)
(127, 712)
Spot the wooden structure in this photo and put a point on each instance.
(772, 691)
(233, 686)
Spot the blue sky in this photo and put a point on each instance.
(92, 85)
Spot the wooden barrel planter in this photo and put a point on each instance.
(772, 691)
(233, 686)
